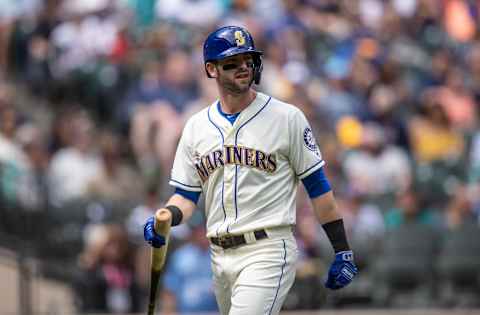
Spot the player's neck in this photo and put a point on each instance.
(232, 104)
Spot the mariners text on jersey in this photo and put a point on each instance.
(237, 155)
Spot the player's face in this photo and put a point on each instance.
(235, 73)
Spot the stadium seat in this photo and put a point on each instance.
(458, 266)
(404, 268)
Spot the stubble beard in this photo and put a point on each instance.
(233, 87)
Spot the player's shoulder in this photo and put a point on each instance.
(199, 118)
(280, 107)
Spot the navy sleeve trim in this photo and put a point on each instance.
(176, 183)
(316, 183)
(320, 163)
(190, 195)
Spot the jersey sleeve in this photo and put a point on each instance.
(304, 153)
(184, 173)
(316, 183)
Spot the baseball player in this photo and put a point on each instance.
(247, 152)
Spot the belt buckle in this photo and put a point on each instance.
(225, 241)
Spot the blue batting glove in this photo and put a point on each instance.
(150, 236)
(342, 271)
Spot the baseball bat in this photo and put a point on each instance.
(163, 221)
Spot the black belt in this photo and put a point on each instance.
(229, 241)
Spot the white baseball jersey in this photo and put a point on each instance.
(248, 171)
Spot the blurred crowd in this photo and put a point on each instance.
(94, 95)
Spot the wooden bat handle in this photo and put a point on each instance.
(163, 221)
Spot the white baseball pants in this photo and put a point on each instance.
(254, 279)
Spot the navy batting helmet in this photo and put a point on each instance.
(230, 41)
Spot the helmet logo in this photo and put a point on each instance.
(239, 38)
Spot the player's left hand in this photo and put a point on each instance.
(342, 271)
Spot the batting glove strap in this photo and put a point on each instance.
(342, 271)
(150, 236)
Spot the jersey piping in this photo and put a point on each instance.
(281, 276)
(223, 182)
(236, 166)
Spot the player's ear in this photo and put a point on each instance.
(212, 70)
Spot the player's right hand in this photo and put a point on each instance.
(150, 236)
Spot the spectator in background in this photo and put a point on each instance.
(299, 96)
(441, 61)
(207, 95)
(410, 209)
(5, 31)
(73, 167)
(61, 133)
(240, 13)
(73, 37)
(134, 222)
(473, 77)
(338, 101)
(10, 13)
(13, 160)
(38, 72)
(384, 110)
(177, 84)
(474, 173)
(438, 151)
(364, 78)
(459, 20)
(194, 13)
(106, 283)
(274, 80)
(377, 168)
(460, 210)
(144, 91)
(431, 132)
(33, 189)
(115, 180)
(155, 130)
(457, 101)
(157, 123)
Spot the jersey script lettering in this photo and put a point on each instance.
(234, 155)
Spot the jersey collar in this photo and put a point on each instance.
(230, 117)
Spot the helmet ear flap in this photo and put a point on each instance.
(258, 67)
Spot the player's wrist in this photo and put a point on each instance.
(345, 255)
(177, 214)
(335, 231)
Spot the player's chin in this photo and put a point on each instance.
(243, 82)
(243, 87)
